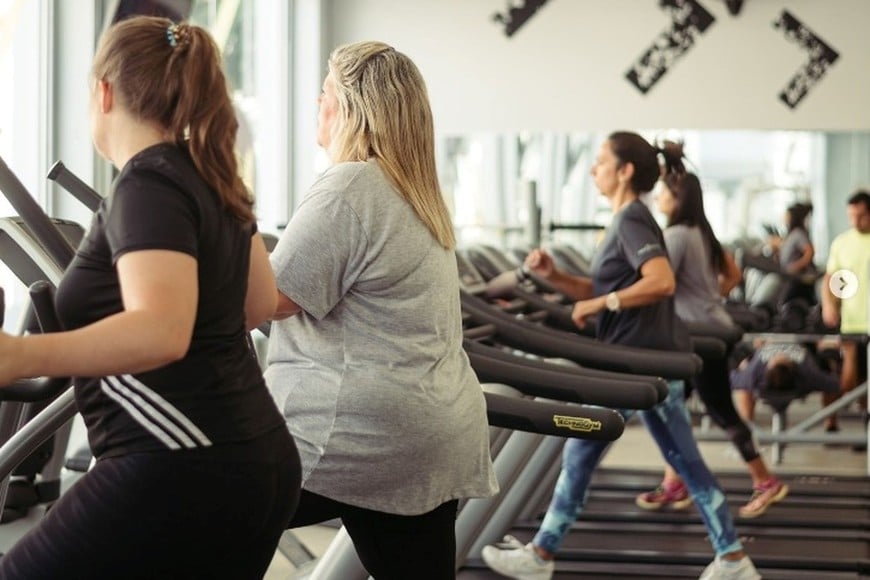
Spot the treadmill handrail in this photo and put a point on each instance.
(550, 418)
(552, 342)
(553, 381)
(658, 383)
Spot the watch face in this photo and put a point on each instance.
(612, 301)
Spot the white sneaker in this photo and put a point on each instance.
(514, 560)
(720, 569)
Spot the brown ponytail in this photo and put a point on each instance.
(171, 74)
(672, 152)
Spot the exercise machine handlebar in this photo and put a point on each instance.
(71, 182)
(43, 388)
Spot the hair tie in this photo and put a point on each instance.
(171, 35)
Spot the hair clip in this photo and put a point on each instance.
(171, 36)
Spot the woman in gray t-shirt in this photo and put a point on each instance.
(796, 253)
(367, 362)
(704, 272)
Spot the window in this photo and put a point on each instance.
(22, 108)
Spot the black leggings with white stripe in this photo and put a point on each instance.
(190, 514)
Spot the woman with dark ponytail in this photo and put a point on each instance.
(196, 474)
(704, 272)
(796, 253)
(630, 292)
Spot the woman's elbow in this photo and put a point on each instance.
(171, 350)
(666, 286)
(260, 313)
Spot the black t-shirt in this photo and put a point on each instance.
(632, 238)
(216, 393)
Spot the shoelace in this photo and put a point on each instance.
(510, 542)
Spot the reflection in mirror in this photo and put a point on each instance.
(498, 183)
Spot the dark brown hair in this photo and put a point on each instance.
(796, 216)
(632, 148)
(171, 74)
(780, 377)
(688, 199)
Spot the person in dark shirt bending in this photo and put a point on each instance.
(775, 368)
(196, 474)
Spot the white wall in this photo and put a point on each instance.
(565, 68)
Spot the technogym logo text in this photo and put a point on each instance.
(583, 424)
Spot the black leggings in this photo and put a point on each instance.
(714, 388)
(391, 547)
(166, 515)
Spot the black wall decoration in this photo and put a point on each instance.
(822, 56)
(516, 16)
(734, 6)
(689, 20)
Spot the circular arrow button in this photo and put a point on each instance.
(843, 284)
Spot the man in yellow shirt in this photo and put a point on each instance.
(844, 307)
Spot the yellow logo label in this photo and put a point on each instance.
(576, 423)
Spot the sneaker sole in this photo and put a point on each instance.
(775, 499)
(674, 505)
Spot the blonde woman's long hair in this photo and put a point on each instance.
(384, 113)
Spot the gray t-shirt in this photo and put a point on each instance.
(373, 381)
(793, 247)
(697, 295)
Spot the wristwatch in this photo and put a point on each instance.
(612, 302)
(522, 273)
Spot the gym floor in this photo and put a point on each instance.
(635, 449)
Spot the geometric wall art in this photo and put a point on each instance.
(516, 16)
(688, 21)
(821, 57)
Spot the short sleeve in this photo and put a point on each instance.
(640, 238)
(750, 377)
(321, 252)
(802, 240)
(675, 242)
(147, 211)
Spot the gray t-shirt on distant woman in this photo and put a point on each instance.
(371, 376)
(697, 296)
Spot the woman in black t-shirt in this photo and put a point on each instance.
(196, 473)
(630, 291)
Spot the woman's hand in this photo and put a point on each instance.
(540, 262)
(583, 309)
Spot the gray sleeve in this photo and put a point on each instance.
(793, 247)
(676, 239)
(320, 253)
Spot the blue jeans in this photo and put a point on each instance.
(667, 423)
